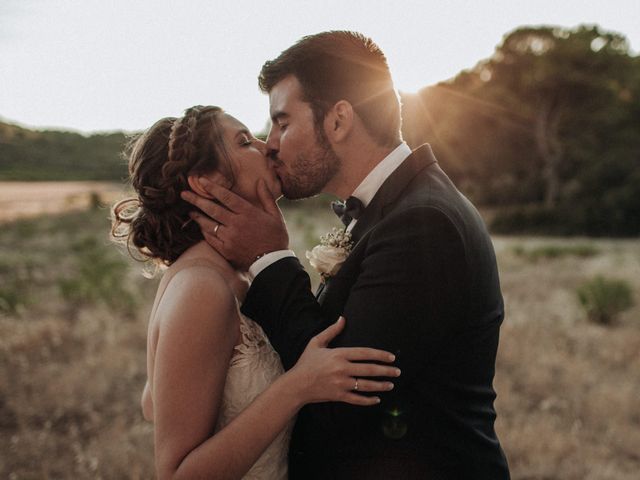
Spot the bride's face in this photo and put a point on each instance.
(249, 160)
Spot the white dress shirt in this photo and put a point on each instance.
(364, 192)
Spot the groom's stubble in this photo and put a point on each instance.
(311, 171)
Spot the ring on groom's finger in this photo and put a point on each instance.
(215, 230)
(355, 387)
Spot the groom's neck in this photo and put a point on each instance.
(358, 160)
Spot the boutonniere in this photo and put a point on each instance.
(328, 257)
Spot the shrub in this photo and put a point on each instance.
(10, 299)
(536, 220)
(604, 299)
(95, 201)
(99, 277)
(15, 282)
(556, 251)
(614, 212)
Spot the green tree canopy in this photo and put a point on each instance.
(551, 121)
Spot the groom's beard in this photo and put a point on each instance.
(311, 171)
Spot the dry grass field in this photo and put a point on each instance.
(28, 199)
(73, 314)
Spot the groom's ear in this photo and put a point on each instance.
(339, 121)
(196, 186)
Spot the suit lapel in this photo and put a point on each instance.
(389, 192)
(392, 188)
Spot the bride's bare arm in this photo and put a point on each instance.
(146, 403)
(198, 330)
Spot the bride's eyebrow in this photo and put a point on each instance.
(242, 131)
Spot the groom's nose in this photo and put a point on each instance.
(272, 153)
(272, 144)
(262, 146)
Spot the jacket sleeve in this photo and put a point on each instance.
(409, 295)
(281, 301)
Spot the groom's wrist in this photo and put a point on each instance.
(263, 261)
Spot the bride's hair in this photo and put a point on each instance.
(156, 222)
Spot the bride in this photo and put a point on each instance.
(216, 392)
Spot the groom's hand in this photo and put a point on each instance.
(238, 230)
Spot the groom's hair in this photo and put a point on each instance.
(341, 65)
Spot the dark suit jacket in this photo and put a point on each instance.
(421, 282)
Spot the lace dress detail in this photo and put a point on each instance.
(254, 366)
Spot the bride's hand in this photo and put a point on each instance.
(336, 375)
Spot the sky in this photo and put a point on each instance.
(104, 65)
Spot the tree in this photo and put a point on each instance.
(553, 74)
(550, 122)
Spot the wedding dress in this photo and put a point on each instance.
(254, 366)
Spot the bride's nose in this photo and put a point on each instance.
(262, 146)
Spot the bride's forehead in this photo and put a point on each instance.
(228, 122)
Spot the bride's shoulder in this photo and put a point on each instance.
(197, 274)
(198, 294)
(195, 323)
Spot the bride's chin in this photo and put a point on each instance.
(276, 190)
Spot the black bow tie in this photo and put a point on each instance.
(349, 210)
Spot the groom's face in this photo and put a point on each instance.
(303, 158)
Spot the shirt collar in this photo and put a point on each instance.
(376, 177)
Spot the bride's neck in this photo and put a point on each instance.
(204, 251)
(207, 254)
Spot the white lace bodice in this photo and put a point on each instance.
(254, 366)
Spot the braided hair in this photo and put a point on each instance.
(156, 222)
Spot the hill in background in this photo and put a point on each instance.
(55, 155)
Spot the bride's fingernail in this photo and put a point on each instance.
(398, 372)
(392, 357)
(389, 386)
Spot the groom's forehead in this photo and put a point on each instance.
(283, 94)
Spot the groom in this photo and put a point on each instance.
(421, 280)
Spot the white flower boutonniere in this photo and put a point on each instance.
(328, 257)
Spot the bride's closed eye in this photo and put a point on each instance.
(245, 141)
